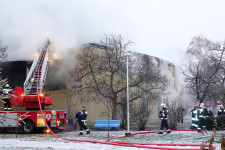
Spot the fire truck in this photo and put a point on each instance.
(28, 96)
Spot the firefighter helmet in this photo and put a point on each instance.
(163, 105)
(202, 105)
(7, 86)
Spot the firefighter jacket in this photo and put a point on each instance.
(194, 114)
(221, 112)
(206, 112)
(163, 114)
(6, 93)
(83, 114)
(202, 112)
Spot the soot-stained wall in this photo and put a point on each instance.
(15, 72)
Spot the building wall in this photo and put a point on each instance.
(15, 72)
(97, 111)
(60, 99)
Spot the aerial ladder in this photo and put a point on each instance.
(40, 63)
(28, 96)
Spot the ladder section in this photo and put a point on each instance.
(30, 84)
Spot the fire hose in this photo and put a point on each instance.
(126, 144)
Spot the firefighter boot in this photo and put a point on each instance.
(88, 132)
(161, 132)
(168, 131)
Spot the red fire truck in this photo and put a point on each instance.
(27, 96)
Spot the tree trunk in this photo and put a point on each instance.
(114, 110)
(199, 99)
(223, 98)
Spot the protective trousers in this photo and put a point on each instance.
(83, 126)
(7, 105)
(194, 124)
(164, 124)
(200, 123)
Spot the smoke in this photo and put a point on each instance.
(26, 25)
(158, 28)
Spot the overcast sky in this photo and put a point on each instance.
(161, 28)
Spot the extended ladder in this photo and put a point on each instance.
(30, 84)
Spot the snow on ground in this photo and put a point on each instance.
(48, 141)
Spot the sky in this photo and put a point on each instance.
(158, 28)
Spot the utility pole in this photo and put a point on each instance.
(128, 114)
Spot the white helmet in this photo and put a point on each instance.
(7, 85)
(163, 105)
(202, 105)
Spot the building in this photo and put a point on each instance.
(98, 109)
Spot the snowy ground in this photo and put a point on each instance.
(48, 141)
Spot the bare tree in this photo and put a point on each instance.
(3, 56)
(175, 113)
(217, 90)
(204, 62)
(141, 112)
(101, 71)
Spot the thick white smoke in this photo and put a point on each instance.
(158, 28)
(26, 25)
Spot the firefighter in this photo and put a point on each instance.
(221, 111)
(6, 97)
(194, 118)
(202, 113)
(205, 114)
(83, 121)
(163, 116)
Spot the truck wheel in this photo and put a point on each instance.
(28, 127)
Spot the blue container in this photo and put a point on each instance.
(70, 121)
